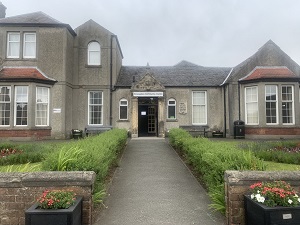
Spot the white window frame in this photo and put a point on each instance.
(5, 102)
(252, 102)
(171, 105)
(96, 49)
(91, 105)
(10, 43)
(276, 101)
(293, 105)
(121, 104)
(42, 100)
(197, 105)
(16, 103)
(26, 43)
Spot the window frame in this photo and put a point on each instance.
(126, 105)
(15, 106)
(290, 101)
(25, 42)
(44, 103)
(89, 57)
(11, 42)
(195, 105)
(90, 104)
(5, 102)
(270, 101)
(255, 102)
(169, 106)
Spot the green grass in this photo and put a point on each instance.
(273, 166)
(28, 167)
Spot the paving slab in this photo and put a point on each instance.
(153, 186)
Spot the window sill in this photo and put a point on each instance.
(93, 66)
(172, 120)
(21, 59)
(123, 121)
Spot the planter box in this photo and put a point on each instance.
(259, 214)
(70, 216)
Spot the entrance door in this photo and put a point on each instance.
(147, 117)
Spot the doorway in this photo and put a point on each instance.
(147, 117)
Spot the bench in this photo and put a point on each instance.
(92, 130)
(195, 130)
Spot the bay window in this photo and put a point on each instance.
(287, 104)
(42, 106)
(21, 105)
(271, 104)
(5, 101)
(251, 99)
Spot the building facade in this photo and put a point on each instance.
(54, 79)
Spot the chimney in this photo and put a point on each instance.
(2, 11)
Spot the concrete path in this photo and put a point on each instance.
(152, 186)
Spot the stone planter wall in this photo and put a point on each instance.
(237, 184)
(18, 191)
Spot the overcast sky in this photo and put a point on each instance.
(164, 32)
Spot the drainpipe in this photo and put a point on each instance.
(111, 78)
(224, 97)
(239, 99)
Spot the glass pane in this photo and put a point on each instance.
(29, 50)
(123, 112)
(199, 114)
(5, 94)
(13, 50)
(14, 37)
(171, 112)
(94, 46)
(94, 58)
(199, 98)
(29, 37)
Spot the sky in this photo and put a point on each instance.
(218, 33)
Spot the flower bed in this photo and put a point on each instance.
(9, 151)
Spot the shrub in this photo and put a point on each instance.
(94, 153)
(23, 153)
(211, 159)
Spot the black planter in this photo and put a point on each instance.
(259, 214)
(70, 216)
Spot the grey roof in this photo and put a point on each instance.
(38, 19)
(267, 56)
(183, 74)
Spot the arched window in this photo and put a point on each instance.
(172, 108)
(94, 53)
(123, 109)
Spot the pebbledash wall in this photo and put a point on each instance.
(237, 184)
(18, 191)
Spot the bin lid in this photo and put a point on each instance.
(239, 122)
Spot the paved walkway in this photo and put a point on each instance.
(152, 186)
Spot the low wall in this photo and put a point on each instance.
(18, 191)
(237, 184)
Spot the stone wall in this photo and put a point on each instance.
(237, 184)
(18, 191)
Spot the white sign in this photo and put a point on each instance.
(287, 216)
(56, 110)
(148, 94)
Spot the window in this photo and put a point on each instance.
(172, 109)
(29, 47)
(271, 104)
(199, 107)
(123, 109)
(95, 107)
(287, 104)
(251, 105)
(21, 104)
(13, 45)
(42, 106)
(5, 99)
(94, 54)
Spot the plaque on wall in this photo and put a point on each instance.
(182, 108)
